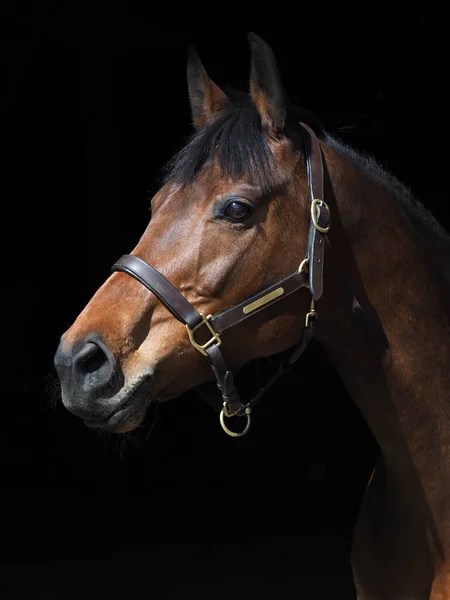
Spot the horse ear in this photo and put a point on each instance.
(208, 101)
(266, 88)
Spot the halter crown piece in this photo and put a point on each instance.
(309, 275)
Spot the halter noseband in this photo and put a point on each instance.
(182, 310)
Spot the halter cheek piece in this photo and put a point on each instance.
(312, 265)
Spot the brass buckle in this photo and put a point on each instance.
(314, 203)
(312, 314)
(215, 336)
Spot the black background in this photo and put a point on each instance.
(92, 106)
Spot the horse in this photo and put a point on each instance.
(267, 231)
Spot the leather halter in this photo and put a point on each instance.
(182, 310)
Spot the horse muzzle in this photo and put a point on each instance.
(93, 388)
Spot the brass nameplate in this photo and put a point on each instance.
(264, 300)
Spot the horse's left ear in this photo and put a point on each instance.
(208, 101)
(266, 88)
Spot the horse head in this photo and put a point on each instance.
(223, 273)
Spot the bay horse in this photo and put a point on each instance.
(266, 232)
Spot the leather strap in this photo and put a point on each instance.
(316, 238)
(225, 380)
(166, 293)
(245, 309)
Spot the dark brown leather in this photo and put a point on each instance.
(236, 315)
(316, 239)
(152, 279)
(225, 380)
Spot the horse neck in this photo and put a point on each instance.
(384, 321)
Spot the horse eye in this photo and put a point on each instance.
(237, 211)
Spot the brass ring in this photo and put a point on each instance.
(235, 433)
(314, 203)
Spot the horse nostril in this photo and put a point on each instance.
(95, 369)
(89, 376)
(90, 359)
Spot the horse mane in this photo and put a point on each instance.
(436, 239)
